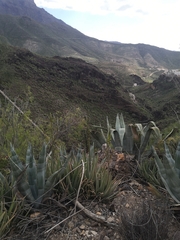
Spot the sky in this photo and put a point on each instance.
(154, 22)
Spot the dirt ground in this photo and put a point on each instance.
(138, 208)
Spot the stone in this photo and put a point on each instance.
(82, 227)
(94, 233)
(99, 213)
(127, 205)
(111, 219)
(106, 238)
(70, 224)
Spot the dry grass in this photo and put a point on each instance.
(146, 224)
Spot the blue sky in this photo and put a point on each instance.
(154, 22)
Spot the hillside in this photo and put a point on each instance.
(25, 25)
(161, 98)
(58, 84)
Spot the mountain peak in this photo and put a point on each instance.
(27, 3)
(26, 8)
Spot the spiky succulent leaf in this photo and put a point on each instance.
(21, 182)
(120, 127)
(52, 180)
(169, 156)
(169, 176)
(177, 158)
(31, 172)
(91, 153)
(15, 158)
(99, 138)
(19, 174)
(140, 131)
(117, 141)
(148, 129)
(145, 140)
(2, 178)
(128, 141)
(108, 124)
(62, 156)
(41, 172)
(79, 155)
(16, 165)
(157, 132)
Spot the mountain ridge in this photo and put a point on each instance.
(58, 84)
(58, 38)
(26, 8)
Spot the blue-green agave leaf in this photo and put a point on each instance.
(117, 141)
(21, 182)
(169, 156)
(168, 176)
(51, 181)
(120, 127)
(41, 171)
(15, 158)
(2, 178)
(177, 158)
(128, 141)
(31, 172)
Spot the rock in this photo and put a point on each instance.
(82, 227)
(82, 233)
(70, 224)
(111, 219)
(76, 230)
(90, 233)
(99, 213)
(106, 238)
(127, 205)
(94, 233)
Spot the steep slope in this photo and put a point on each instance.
(26, 8)
(23, 24)
(162, 98)
(58, 84)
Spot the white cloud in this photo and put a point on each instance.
(116, 6)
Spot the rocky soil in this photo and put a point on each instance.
(138, 208)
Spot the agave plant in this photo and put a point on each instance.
(119, 137)
(131, 138)
(73, 171)
(97, 180)
(31, 179)
(169, 170)
(142, 136)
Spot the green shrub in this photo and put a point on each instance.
(17, 128)
(68, 127)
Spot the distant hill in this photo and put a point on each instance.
(25, 25)
(59, 84)
(161, 98)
